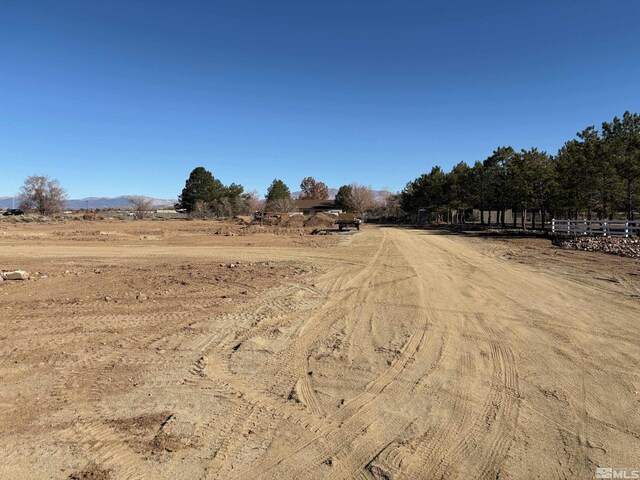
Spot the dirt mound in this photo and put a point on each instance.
(320, 220)
(295, 221)
(269, 220)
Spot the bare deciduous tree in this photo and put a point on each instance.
(200, 209)
(42, 194)
(387, 206)
(253, 203)
(141, 205)
(363, 198)
(392, 205)
(283, 204)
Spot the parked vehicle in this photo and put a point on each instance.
(346, 220)
(13, 211)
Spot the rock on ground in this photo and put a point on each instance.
(623, 246)
(15, 275)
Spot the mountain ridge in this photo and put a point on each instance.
(97, 202)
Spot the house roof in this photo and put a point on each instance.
(314, 204)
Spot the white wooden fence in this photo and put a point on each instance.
(596, 227)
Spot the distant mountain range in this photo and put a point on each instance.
(97, 202)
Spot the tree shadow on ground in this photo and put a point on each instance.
(472, 231)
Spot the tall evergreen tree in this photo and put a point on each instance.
(344, 199)
(587, 175)
(201, 186)
(278, 196)
(499, 193)
(622, 141)
(462, 191)
(277, 190)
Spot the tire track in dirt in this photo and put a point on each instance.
(105, 448)
(452, 377)
(491, 430)
(235, 424)
(85, 386)
(96, 367)
(434, 449)
(294, 356)
(433, 445)
(351, 454)
(433, 344)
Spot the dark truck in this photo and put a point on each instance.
(346, 220)
(13, 211)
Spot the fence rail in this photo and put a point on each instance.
(596, 227)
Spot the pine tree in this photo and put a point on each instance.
(344, 199)
(278, 197)
(202, 187)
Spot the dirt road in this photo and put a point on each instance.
(393, 354)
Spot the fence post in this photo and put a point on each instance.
(553, 225)
(585, 226)
(606, 228)
(626, 229)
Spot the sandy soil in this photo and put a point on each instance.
(159, 350)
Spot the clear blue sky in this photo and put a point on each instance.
(127, 97)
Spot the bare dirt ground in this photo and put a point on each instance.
(159, 350)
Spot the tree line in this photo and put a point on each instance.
(204, 195)
(596, 175)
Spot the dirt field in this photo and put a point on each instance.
(158, 350)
